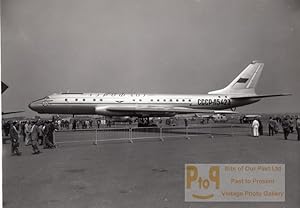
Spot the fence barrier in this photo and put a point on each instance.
(132, 134)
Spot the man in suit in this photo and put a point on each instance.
(27, 133)
(34, 138)
(272, 125)
(47, 132)
(14, 136)
(286, 127)
(50, 133)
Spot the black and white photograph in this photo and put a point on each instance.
(150, 103)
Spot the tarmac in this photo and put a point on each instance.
(145, 173)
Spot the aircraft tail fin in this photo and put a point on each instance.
(245, 82)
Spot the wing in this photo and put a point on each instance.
(258, 96)
(157, 110)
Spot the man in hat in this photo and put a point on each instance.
(51, 132)
(272, 126)
(14, 136)
(34, 138)
(27, 132)
(286, 127)
(47, 134)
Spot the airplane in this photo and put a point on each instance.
(240, 92)
(4, 87)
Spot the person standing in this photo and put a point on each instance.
(59, 123)
(27, 133)
(46, 132)
(255, 127)
(108, 123)
(14, 136)
(34, 138)
(22, 131)
(74, 125)
(276, 126)
(185, 123)
(41, 136)
(285, 127)
(50, 133)
(260, 127)
(291, 121)
(298, 127)
(272, 126)
(6, 127)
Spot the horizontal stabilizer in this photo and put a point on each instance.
(259, 96)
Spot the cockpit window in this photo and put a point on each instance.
(47, 97)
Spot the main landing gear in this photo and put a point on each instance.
(145, 122)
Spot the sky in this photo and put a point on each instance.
(157, 46)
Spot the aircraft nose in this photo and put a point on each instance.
(38, 105)
(33, 106)
(30, 106)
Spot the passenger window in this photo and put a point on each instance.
(94, 99)
(164, 100)
(101, 100)
(133, 100)
(157, 100)
(182, 100)
(190, 100)
(170, 100)
(140, 100)
(76, 99)
(151, 100)
(83, 99)
(176, 100)
(66, 99)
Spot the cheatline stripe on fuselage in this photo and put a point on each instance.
(113, 103)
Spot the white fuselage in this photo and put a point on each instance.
(97, 103)
(241, 91)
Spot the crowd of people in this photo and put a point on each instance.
(87, 124)
(33, 133)
(40, 133)
(84, 124)
(288, 124)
